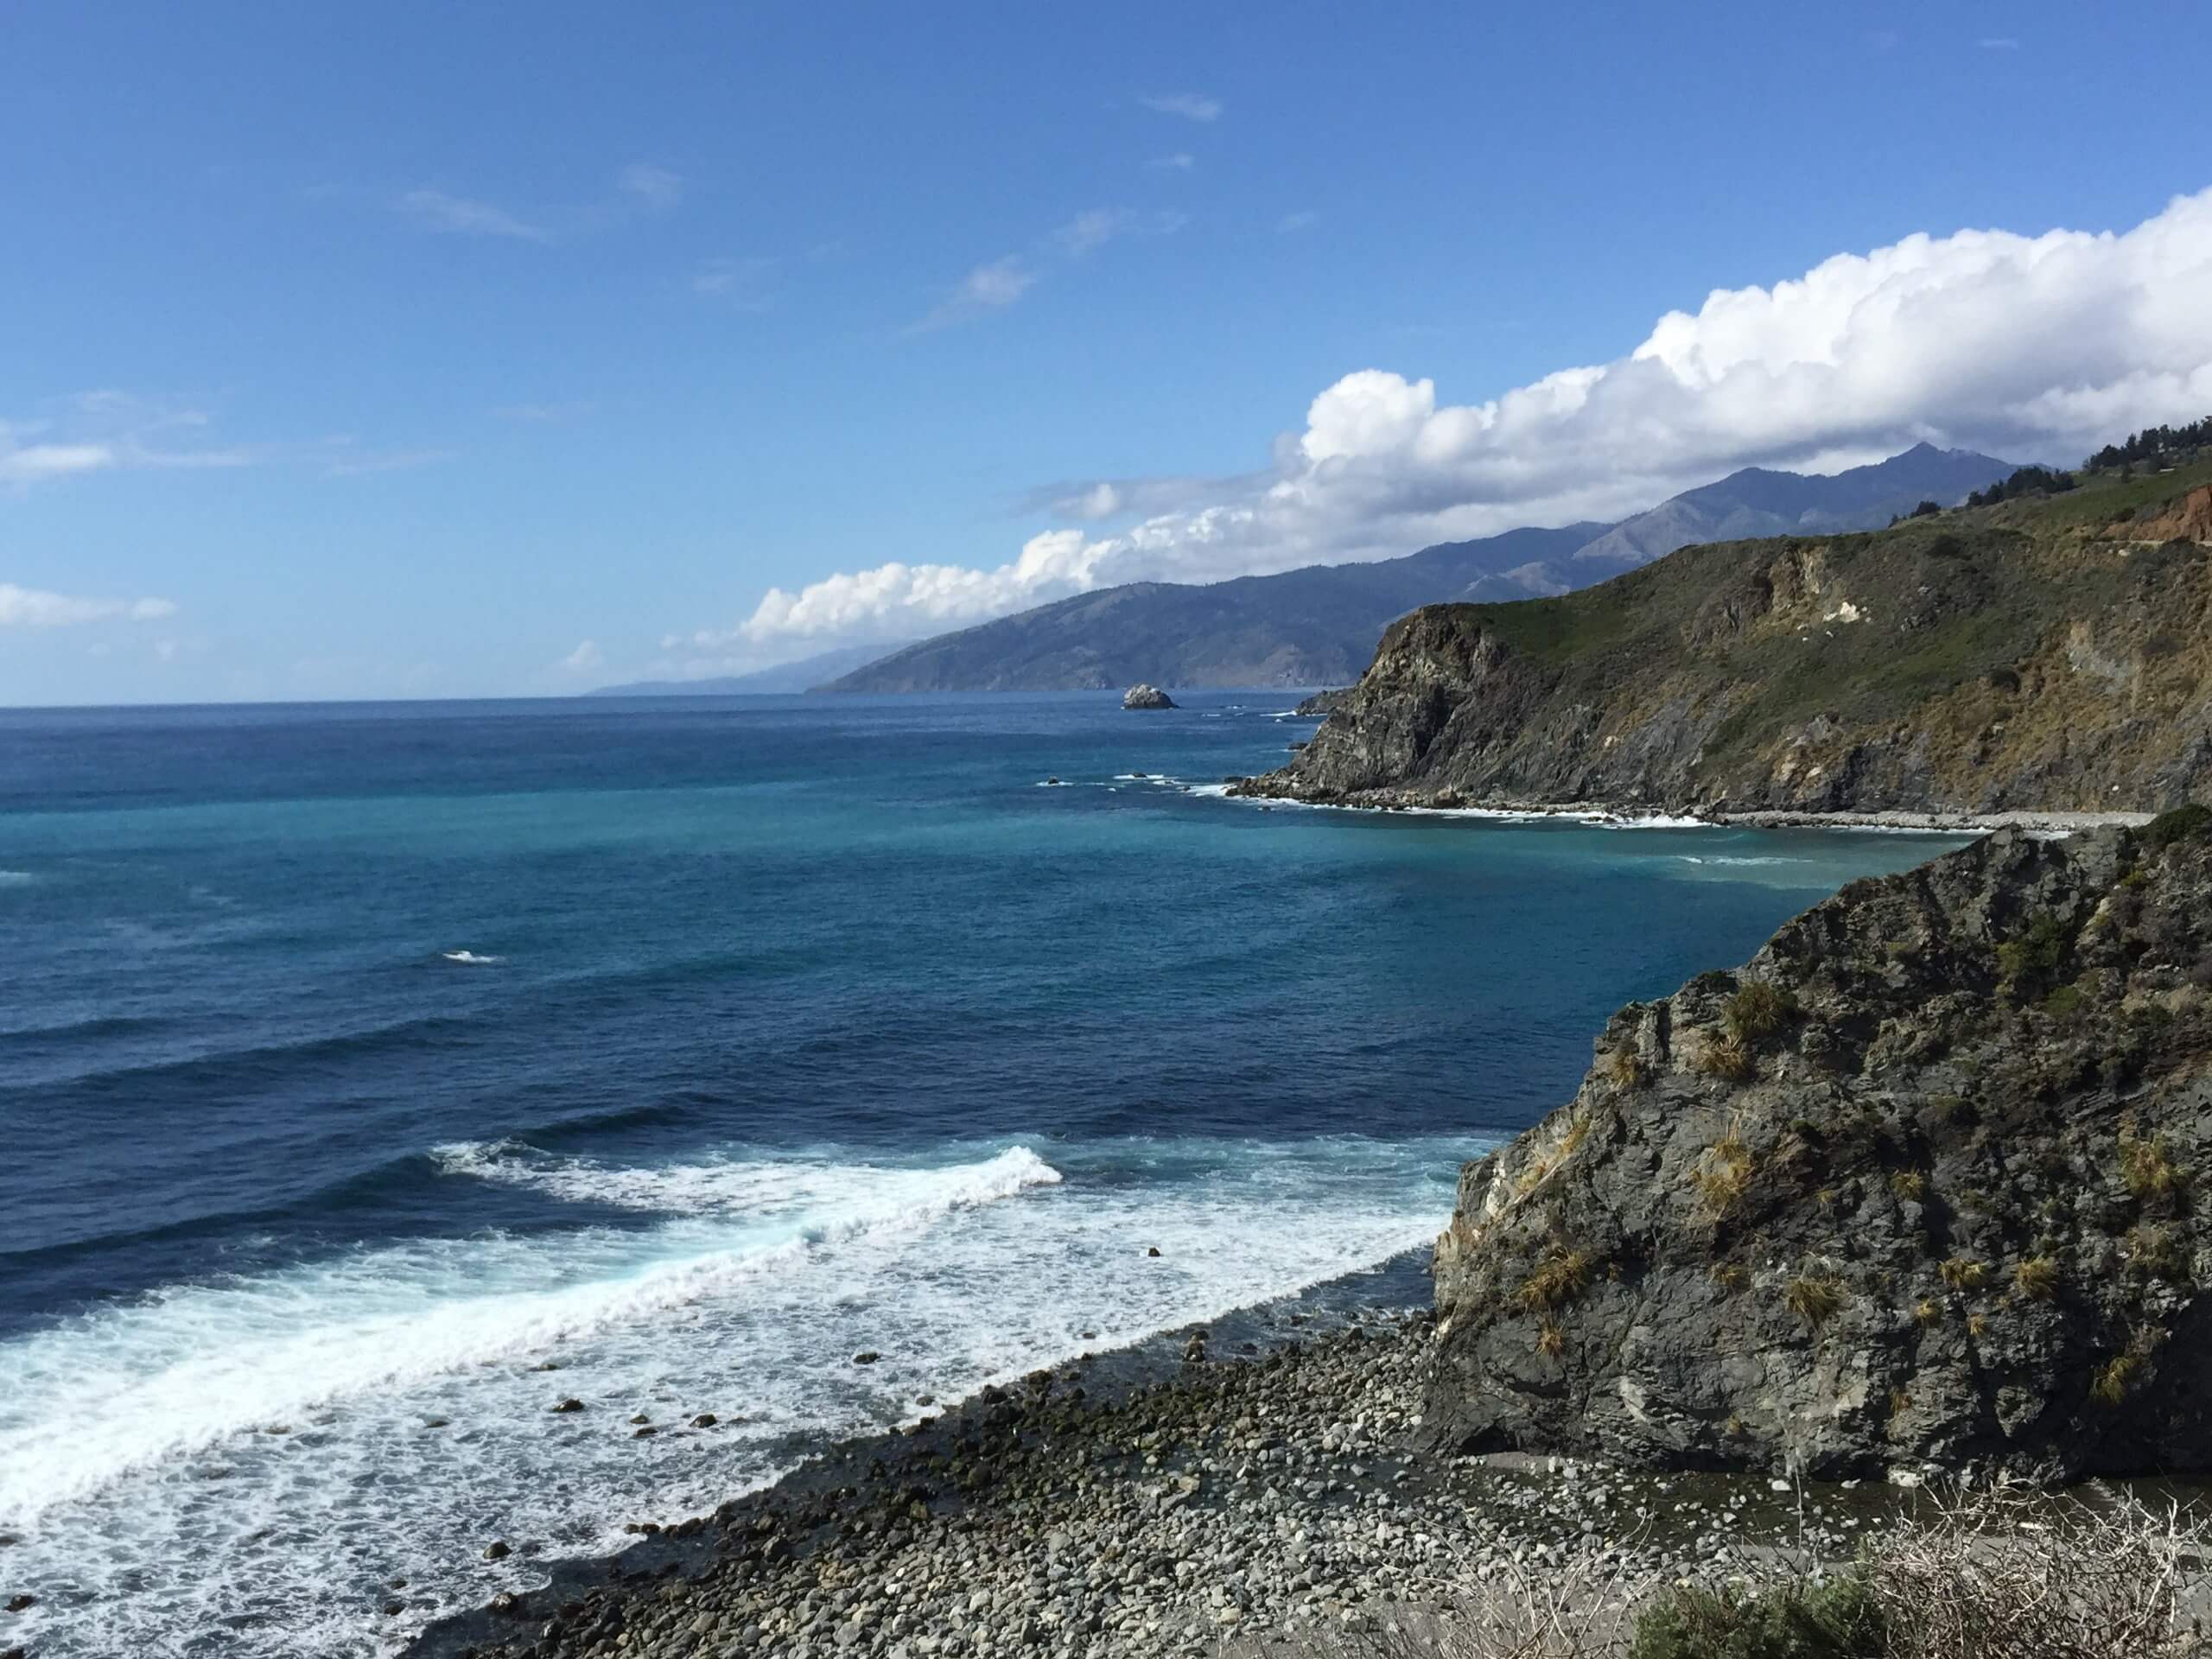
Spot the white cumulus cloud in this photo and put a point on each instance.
(1191, 106)
(33, 607)
(655, 189)
(34, 463)
(987, 288)
(2040, 346)
(437, 210)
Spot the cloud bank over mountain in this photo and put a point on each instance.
(2036, 346)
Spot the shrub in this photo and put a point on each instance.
(2031, 960)
(1909, 1185)
(2190, 822)
(1551, 1338)
(2037, 1278)
(1837, 1620)
(2061, 1002)
(1926, 1312)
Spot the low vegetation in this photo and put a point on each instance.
(1987, 1575)
(1724, 1174)
(2036, 1278)
(1814, 1298)
(2147, 1165)
(1756, 1010)
(1557, 1280)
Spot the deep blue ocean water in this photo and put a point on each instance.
(357, 1063)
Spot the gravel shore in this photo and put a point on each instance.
(1242, 1500)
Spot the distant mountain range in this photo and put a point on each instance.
(1318, 626)
(1756, 502)
(1300, 627)
(782, 680)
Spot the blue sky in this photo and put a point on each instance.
(448, 350)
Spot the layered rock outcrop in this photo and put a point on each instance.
(1921, 1184)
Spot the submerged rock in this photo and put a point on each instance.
(1915, 1186)
(1146, 696)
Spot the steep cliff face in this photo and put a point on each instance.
(1966, 664)
(1918, 1185)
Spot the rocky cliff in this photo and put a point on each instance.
(2050, 656)
(1918, 1185)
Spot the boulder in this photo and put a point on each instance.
(1146, 696)
(1913, 1187)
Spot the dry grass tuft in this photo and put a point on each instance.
(1928, 1312)
(2152, 1253)
(1815, 1298)
(2036, 1278)
(2115, 1379)
(1561, 1276)
(1622, 1067)
(1964, 1273)
(1724, 1174)
(2147, 1165)
(1723, 1058)
(1909, 1185)
(1757, 1009)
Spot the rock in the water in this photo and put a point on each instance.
(497, 1551)
(568, 1406)
(1146, 696)
(865, 1357)
(1913, 1186)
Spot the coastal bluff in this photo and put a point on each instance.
(1915, 1187)
(2046, 655)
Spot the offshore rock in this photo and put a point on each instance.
(1146, 696)
(1919, 1184)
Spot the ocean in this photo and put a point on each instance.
(375, 1077)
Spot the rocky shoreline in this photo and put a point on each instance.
(1274, 787)
(1229, 1497)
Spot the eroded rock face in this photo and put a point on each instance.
(1923, 670)
(1918, 1185)
(1146, 696)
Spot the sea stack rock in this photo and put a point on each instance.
(1917, 1185)
(1146, 696)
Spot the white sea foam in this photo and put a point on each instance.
(137, 1467)
(471, 958)
(16, 878)
(1593, 817)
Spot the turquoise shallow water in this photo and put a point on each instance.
(356, 1062)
